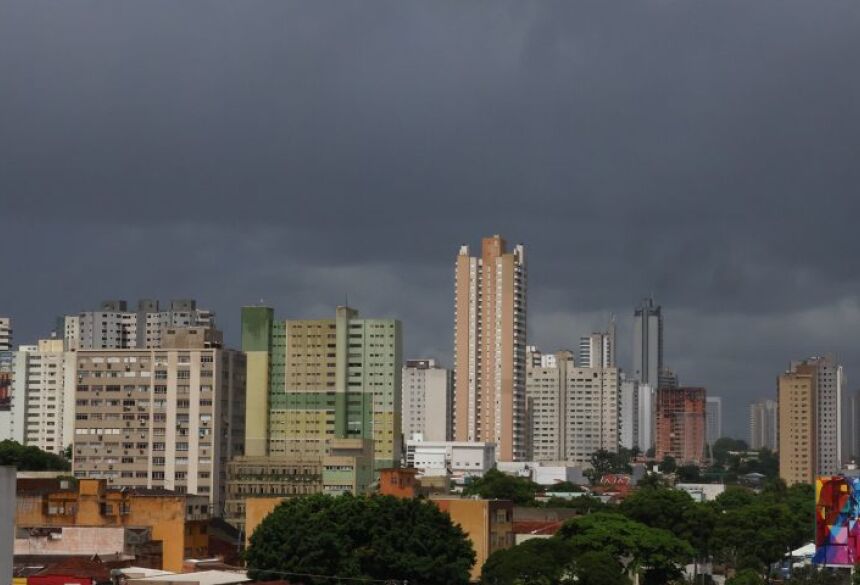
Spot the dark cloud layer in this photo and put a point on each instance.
(303, 151)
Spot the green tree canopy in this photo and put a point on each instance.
(539, 561)
(501, 486)
(658, 552)
(30, 458)
(675, 511)
(375, 537)
(746, 577)
(722, 446)
(598, 568)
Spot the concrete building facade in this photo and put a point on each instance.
(487, 523)
(764, 425)
(428, 399)
(170, 417)
(115, 326)
(5, 334)
(648, 343)
(7, 522)
(9, 428)
(798, 449)
(572, 411)
(44, 395)
(680, 424)
(458, 459)
(598, 349)
(489, 348)
(713, 419)
(178, 522)
(830, 412)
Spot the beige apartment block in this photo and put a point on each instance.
(796, 393)
(168, 418)
(489, 348)
(572, 411)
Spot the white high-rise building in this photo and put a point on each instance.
(115, 326)
(572, 411)
(764, 425)
(489, 348)
(428, 395)
(646, 417)
(713, 419)
(648, 343)
(598, 349)
(44, 395)
(635, 417)
(5, 334)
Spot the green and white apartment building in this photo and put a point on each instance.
(323, 405)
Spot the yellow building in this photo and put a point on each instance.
(178, 522)
(489, 524)
(256, 510)
(796, 393)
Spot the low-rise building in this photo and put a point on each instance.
(176, 522)
(487, 523)
(264, 477)
(460, 459)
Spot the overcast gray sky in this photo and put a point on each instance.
(298, 152)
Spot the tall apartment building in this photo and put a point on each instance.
(428, 397)
(830, 412)
(489, 348)
(598, 349)
(546, 399)
(115, 326)
(5, 334)
(314, 380)
(44, 395)
(648, 343)
(7, 368)
(713, 419)
(7, 375)
(763, 425)
(635, 416)
(168, 417)
(798, 451)
(572, 412)
(679, 424)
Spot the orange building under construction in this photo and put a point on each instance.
(679, 424)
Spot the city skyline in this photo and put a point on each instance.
(241, 158)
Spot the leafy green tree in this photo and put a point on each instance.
(668, 464)
(565, 486)
(603, 462)
(755, 535)
(652, 480)
(746, 577)
(539, 561)
(368, 537)
(30, 458)
(819, 576)
(722, 446)
(501, 486)
(689, 473)
(598, 568)
(733, 498)
(584, 504)
(658, 553)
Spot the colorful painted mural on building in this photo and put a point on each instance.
(837, 532)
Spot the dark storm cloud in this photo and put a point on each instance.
(304, 151)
